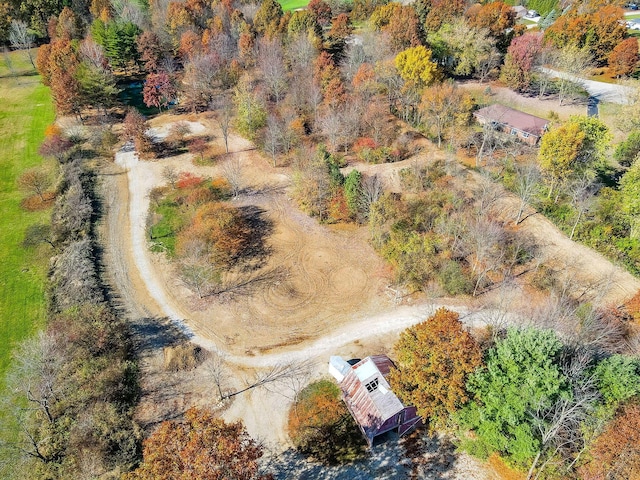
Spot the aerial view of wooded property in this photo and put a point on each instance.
(325, 239)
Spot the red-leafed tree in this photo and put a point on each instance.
(198, 146)
(135, 128)
(434, 359)
(321, 10)
(159, 90)
(202, 447)
(624, 57)
(150, 50)
(55, 146)
(519, 62)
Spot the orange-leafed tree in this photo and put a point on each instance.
(320, 425)
(497, 17)
(202, 447)
(222, 228)
(434, 359)
(598, 32)
(615, 454)
(623, 59)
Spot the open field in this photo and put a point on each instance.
(293, 4)
(25, 111)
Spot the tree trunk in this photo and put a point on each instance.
(533, 465)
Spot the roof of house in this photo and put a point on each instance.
(368, 394)
(513, 118)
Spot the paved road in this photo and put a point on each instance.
(603, 92)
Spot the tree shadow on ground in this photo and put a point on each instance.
(416, 456)
(256, 251)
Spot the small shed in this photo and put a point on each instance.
(528, 128)
(368, 396)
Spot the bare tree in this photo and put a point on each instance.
(223, 106)
(216, 369)
(581, 191)
(170, 175)
(560, 425)
(272, 141)
(271, 63)
(35, 180)
(487, 194)
(526, 185)
(371, 190)
(34, 376)
(196, 270)
(572, 61)
(487, 61)
(21, 38)
(291, 374)
(233, 173)
(93, 53)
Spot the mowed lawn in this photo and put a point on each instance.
(25, 111)
(293, 4)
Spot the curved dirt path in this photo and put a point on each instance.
(147, 293)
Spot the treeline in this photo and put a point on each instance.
(546, 404)
(74, 386)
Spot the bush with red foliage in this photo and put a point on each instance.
(188, 180)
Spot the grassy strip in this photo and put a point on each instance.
(25, 111)
(293, 4)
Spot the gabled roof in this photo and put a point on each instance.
(368, 394)
(513, 118)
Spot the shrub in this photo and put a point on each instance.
(320, 425)
(185, 356)
(188, 180)
(454, 280)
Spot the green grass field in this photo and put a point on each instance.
(292, 4)
(25, 111)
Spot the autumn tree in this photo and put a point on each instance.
(520, 59)
(443, 107)
(434, 359)
(319, 424)
(55, 146)
(416, 67)
(623, 59)
(559, 151)
(201, 447)
(267, 19)
(35, 180)
(222, 228)
(599, 32)
(159, 90)
(135, 128)
(496, 17)
(615, 454)
(400, 23)
(321, 11)
(150, 49)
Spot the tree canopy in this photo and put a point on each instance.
(434, 359)
(202, 447)
(520, 375)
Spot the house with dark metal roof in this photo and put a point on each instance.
(527, 128)
(368, 396)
